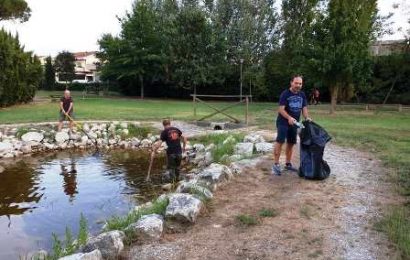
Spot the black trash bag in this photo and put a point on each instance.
(313, 139)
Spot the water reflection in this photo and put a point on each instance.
(70, 179)
(19, 189)
(44, 194)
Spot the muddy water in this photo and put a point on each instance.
(44, 194)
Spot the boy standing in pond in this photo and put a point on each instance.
(173, 137)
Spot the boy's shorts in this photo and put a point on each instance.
(287, 132)
(64, 117)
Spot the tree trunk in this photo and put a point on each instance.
(142, 87)
(334, 90)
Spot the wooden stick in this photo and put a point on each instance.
(151, 161)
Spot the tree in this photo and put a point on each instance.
(14, 9)
(20, 72)
(49, 75)
(64, 65)
(339, 45)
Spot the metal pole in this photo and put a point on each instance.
(240, 92)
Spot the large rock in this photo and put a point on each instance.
(199, 147)
(148, 228)
(146, 143)
(61, 137)
(93, 255)
(264, 147)
(195, 189)
(32, 136)
(110, 244)
(254, 138)
(215, 173)
(183, 207)
(244, 149)
(6, 147)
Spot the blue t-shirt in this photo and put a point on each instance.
(293, 105)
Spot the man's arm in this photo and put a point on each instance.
(305, 114)
(285, 114)
(61, 107)
(184, 141)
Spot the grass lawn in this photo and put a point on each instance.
(385, 134)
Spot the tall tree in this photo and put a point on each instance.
(14, 9)
(49, 75)
(340, 46)
(64, 65)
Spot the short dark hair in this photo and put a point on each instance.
(166, 122)
(296, 76)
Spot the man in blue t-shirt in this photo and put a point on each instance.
(291, 103)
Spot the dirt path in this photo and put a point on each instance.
(331, 219)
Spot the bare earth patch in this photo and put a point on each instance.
(331, 219)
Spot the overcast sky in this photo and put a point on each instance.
(76, 25)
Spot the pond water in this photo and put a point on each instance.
(40, 195)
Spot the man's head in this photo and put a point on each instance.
(166, 123)
(296, 83)
(67, 93)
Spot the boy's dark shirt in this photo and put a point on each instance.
(66, 103)
(172, 136)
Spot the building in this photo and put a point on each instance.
(86, 67)
(384, 48)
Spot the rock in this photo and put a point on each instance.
(167, 187)
(146, 143)
(84, 139)
(208, 158)
(244, 149)
(112, 141)
(49, 146)
(153, 139)
(235, 157)
(254, 138)
(264, 147)
(124, 125)
(93, 255)
(1, 169)
(194, 188)
(199, 147)
(110, 244)
(135, 142)
(125, 132)
(75, 137)
(215, 173)
(6, 147)
(32, 136)
(62, 137)
(8, 155)
(62, 146)
(86, 127)
(183, 207)
(235, 169)
(148, 228)
(26, 148)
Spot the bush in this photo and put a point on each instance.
(20, 73)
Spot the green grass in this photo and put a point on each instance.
(220, 149)
(397, 226)
(268, 213)
(246, 220)
(122, 222)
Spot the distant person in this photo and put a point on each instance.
(316, 96)
(291, 103)
(173, 137)
(66, 108)
(69, 180)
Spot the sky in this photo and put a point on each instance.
(76, 25)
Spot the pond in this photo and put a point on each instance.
(44, 194)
